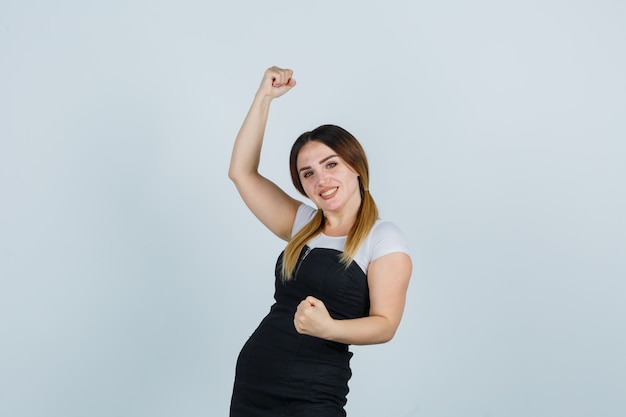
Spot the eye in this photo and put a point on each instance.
(331, 165)
(307, 174)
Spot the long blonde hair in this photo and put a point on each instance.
(351, 151)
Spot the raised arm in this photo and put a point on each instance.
(270, 204)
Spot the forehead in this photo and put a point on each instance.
(312, 153)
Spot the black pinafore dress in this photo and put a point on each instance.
(281, 373)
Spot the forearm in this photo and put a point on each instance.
(247, 148)
(312, 318)
(244, 162)
(362, 331)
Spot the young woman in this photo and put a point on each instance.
(341, 280)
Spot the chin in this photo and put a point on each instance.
(331, 207)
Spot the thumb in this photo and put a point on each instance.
(312, 300)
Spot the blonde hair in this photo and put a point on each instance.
(351, 151)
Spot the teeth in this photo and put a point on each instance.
(329, 192)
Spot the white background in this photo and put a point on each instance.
(131, 272)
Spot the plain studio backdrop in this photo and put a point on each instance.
(132, 273)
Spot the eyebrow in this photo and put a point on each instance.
(321, 162)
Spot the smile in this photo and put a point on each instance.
(329, 192)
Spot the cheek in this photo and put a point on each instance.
(308, 188)
(352, 177)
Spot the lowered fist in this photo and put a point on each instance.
(312, 318)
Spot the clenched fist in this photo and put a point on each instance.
(276, 82)
(312, 318)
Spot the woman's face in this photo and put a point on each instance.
(327, 179)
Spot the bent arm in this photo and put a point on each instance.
(270, 204)
(388, 280)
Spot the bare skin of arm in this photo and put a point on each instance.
(388, 276)
(270, 204)
(388, 280)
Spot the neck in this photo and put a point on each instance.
(337, 224)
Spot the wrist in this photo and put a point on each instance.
(263, 98)
(333, 331)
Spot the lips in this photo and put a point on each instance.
(329, 192)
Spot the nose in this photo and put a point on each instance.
(322, 179)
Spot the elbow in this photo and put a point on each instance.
(376, 339)
(387, 332)
(238, 175)
(387, 336)
(234, 175)
(380, 336)
(231, 175)
(387, 329)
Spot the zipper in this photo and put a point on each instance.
(306, 253)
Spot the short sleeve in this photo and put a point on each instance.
(386, 238)
(304, 215)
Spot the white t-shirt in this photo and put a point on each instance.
(385, 238)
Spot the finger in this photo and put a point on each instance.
(297, 326)
(281, 77)
(290, 83)
(312, 301)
